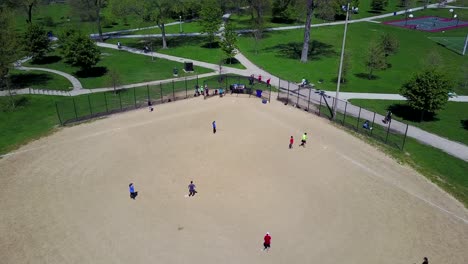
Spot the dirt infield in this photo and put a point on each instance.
(65, 198)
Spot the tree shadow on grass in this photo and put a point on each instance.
(293, 50)
(364, 75)
(91, 73)
(25, 80)
(407, 113)
(464, 123)
(47, 60)
(211, 45)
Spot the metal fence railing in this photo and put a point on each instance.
(83, 107)
(353, 117)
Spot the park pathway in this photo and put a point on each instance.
(76, 84)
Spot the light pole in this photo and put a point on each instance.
(341, 63)
(451, 12)
(180, 24)
(458, 19)
(410, 11)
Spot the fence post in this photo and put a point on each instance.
(74, 106)
(358, 119)
(404, 139)
(269, 96)
(226, 83)
(373, 120)
(160, 87)
(197, 79)
(388, 130)
(186, 92)
(120, 101)
(344, 116)
(298, 94)
(173, 93)
(105, 101)
(308, 100)
(134, 97)
(58, 114)
(89, 103)
(279, 88)
(320, 107)
(147, 92)
(287, 97)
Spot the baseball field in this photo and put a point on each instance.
(64, 198)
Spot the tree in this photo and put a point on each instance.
(325, 10)
(90, 10)
(114, 79)
(79, 50)
(26, 5)
(305, 45)
(390, 44)
(433, 60)
(157, 11)
(36, 43)
(285, 10)
(375, 58)
(228, 42)
(8, 47)
(346, 66)
(427, 91)
(379, 4)
(210, 18)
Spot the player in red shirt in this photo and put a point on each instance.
(267, 241)
(291, 142)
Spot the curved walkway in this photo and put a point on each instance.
(76, 84)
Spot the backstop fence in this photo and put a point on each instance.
(343, 113)
(92, 105)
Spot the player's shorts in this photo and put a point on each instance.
(266, 245)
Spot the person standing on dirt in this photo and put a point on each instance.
(267, 242)
(214, 127)
(304, 140)
(425, 261)
(191, 188)
(131, 189)
(291, 142)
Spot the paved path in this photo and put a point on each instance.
(76, 84)
(382, 96)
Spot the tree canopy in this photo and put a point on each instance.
(36, 42)
(79, 50)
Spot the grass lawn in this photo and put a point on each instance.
(195, 48)
(188, 27)
(132, 68)
(438, 12)
(279, 53)
(57, 17)
(39, 80)
(34, 117)
(447, 123)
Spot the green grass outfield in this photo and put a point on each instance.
(447, 122)
(279, 54)
(39, 80)
(187, 27)
(195, 48)
(132, 68)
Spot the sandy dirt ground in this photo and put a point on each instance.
(64, 198)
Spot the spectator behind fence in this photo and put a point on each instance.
(366, 125)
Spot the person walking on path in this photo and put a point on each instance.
(267, 242)
(214, 127)
(191, 188)
(291, 142)
(304, 140)
(133, 194)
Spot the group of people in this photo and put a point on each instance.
(303, 141)
(205, 91)
(252, 80)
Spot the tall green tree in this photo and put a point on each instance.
(210, 18)
(26, 5)
(375, 59)
(305, 46)
(325, 9)
(90, 9)
(427, 91)
(36, 43)
(390, 44)
(229, 41)
(379, 4)
(9, 46)
(79, 50)
(158, 11)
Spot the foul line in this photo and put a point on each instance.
(399, 187)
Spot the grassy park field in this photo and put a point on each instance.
(131, 68)
(38, 80)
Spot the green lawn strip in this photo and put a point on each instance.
(447, 123)
(279, 53)
(132, 68)
(188, 27)
(63, 18)
(39, 80)
(33, 118)
(439, 167)
(196, 48)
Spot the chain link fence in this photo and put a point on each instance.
(344, 113)
(83, 107)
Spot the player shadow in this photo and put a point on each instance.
(134, 195)
(464, 123)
